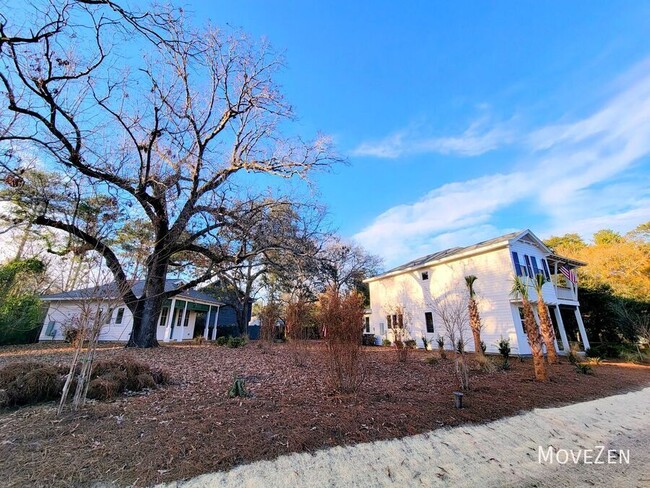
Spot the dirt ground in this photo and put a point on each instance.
(191, 427)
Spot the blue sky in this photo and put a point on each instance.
(465, 120)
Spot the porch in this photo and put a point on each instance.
(567, 324)
(185, 319)
(563, 275)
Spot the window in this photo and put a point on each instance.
(536, 270)
(120, 315)
(428, 318)
(425, 275)
(528, 266)
(187, 318)
(367, 323)
(163, 317)
(524, 269)
(388, 321)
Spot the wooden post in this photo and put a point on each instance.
(207, 323)
(216, 319)
(560, 326)
(170, 317)
(180, 339)
(581, 327)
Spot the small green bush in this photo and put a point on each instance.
(583, 368)
(386, 342)
(222, 341)
(425, 341)
(368, 340)
(238, 388)
(235, 342)
(504, 349)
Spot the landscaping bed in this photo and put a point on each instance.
(191, 426)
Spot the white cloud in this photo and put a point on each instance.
(477, 139)
(576, 175)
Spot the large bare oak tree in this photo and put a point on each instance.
(141, 115)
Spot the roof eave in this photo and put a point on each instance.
(436, 262)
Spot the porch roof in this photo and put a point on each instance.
(564, 260)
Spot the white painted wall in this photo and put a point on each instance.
(494, 270)
(64, 312)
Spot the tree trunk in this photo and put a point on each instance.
(147, 309)
(475, 324)
(548, 334)
(535, 342)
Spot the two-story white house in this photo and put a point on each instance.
(417, 288)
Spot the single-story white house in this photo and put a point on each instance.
(417, 289)
(187, 315)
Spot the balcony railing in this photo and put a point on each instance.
(564, 293)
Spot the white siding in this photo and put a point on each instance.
(494, 270)
(65, 312)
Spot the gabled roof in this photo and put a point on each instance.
(431, 259)
(111, 291)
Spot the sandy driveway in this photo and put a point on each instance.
(500, 453)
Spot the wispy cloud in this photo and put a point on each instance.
(577, 175)
(477, 139)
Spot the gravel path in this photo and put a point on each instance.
(500, 453)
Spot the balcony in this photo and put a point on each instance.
(565, 293)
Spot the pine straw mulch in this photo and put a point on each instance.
(191, 427)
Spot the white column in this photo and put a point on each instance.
(581, 327)
(170, 317)
(207, 322)
(182, 323)
(216, 319)
(560, 326)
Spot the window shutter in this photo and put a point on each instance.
(547, 273)
(515, 259)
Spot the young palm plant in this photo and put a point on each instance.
(474, 316)
(520, 290)
(545, 324)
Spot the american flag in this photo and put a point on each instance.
(569, 274)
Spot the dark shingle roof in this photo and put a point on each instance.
(449, 252)
(111, 291)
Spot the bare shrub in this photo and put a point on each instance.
(269, 317)
(298, 319)
(451, 308)
(401, 334)
(342, 317)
